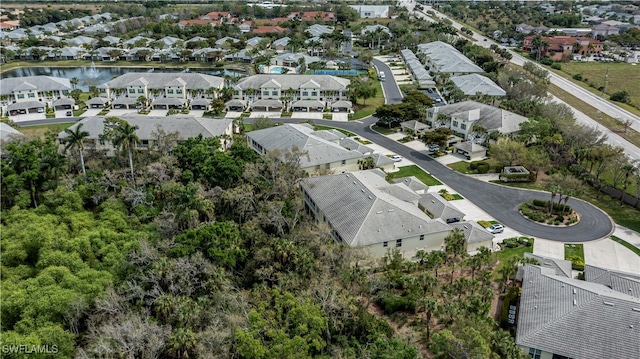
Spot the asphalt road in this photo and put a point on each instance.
(500, 202)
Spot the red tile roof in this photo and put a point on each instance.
(268, 30)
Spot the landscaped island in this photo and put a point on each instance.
(549, 213)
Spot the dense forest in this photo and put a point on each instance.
(194, 252)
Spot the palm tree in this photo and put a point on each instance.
(122, 135)
(75, 138)
(74, 81)
(455, 246)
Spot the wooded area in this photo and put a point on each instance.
(194, 252)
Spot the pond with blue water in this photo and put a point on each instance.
(94, 75)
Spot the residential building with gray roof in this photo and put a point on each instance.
(34, 88)
(154, 86)
(474, 85)
(148, 126)
(475, 236)
(319, 154)
(444, 58)
(461, 117)
(365, 211)
(560, 317)
(440, 208)
(323, 89)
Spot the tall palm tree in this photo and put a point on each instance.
(75, 138)
(74, 82)
(122, 135)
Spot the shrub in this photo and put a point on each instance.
(473, 165)
(546, 61)
(510, 243)
(483, 168)
(560, 218)
(620, 96)
(556, 66)
(577, 77)
(391, 302)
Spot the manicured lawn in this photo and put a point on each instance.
(602, 118)
(624, 215)
(371, 104)
(462, 167)
(571, 250)
(508, 253)
(41, 130)
(320, 128)
(621, 76)
(384, 130)
(633, 248)
(416, 171)
(456, 197)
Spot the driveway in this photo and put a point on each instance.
(93, 112)
(391, 90)
(307, 115)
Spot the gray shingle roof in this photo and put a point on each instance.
(439, 207)
(469, 146)
(267, 103)
(308, 103)
(622, 282)
(473, 232)
(42, 83)
(168, 101)
(194, 81)
(64, 101)
(350, 143)
(342, 104)
(575, 318)
(318, 150)
(412, 182)
(326, 82)
(473, 84)
(24, 105)
(560, 266)
(414, 125)
(448, 59)
(186, 126)
(97, 101)
(362, 214)
(8, 133)
(491, 118)
(281, 42)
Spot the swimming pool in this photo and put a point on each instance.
(277, 70)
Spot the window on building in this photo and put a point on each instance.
(274, 93)
(64, 92)
(101, 141)
(305, 93)
(170, 92)
(455, 123)
(399, 243)
(314, 93)
(265, 93)
(20, 95)
(344, 162)
(179, 91)
(385, 244)
(103, 90)
(535, 353)
(132, 91)
(463, 126)
(327, 166)
(140, 90)
(237, 93)
(31, 95)
(422, 237)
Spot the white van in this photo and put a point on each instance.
(381, 76)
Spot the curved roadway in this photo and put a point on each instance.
(500, 202)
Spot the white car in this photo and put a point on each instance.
(496, 228)
(396, 158)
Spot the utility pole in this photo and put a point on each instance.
(606, 79)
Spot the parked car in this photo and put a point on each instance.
(434, 148)
(496, 228)
(396, 158)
